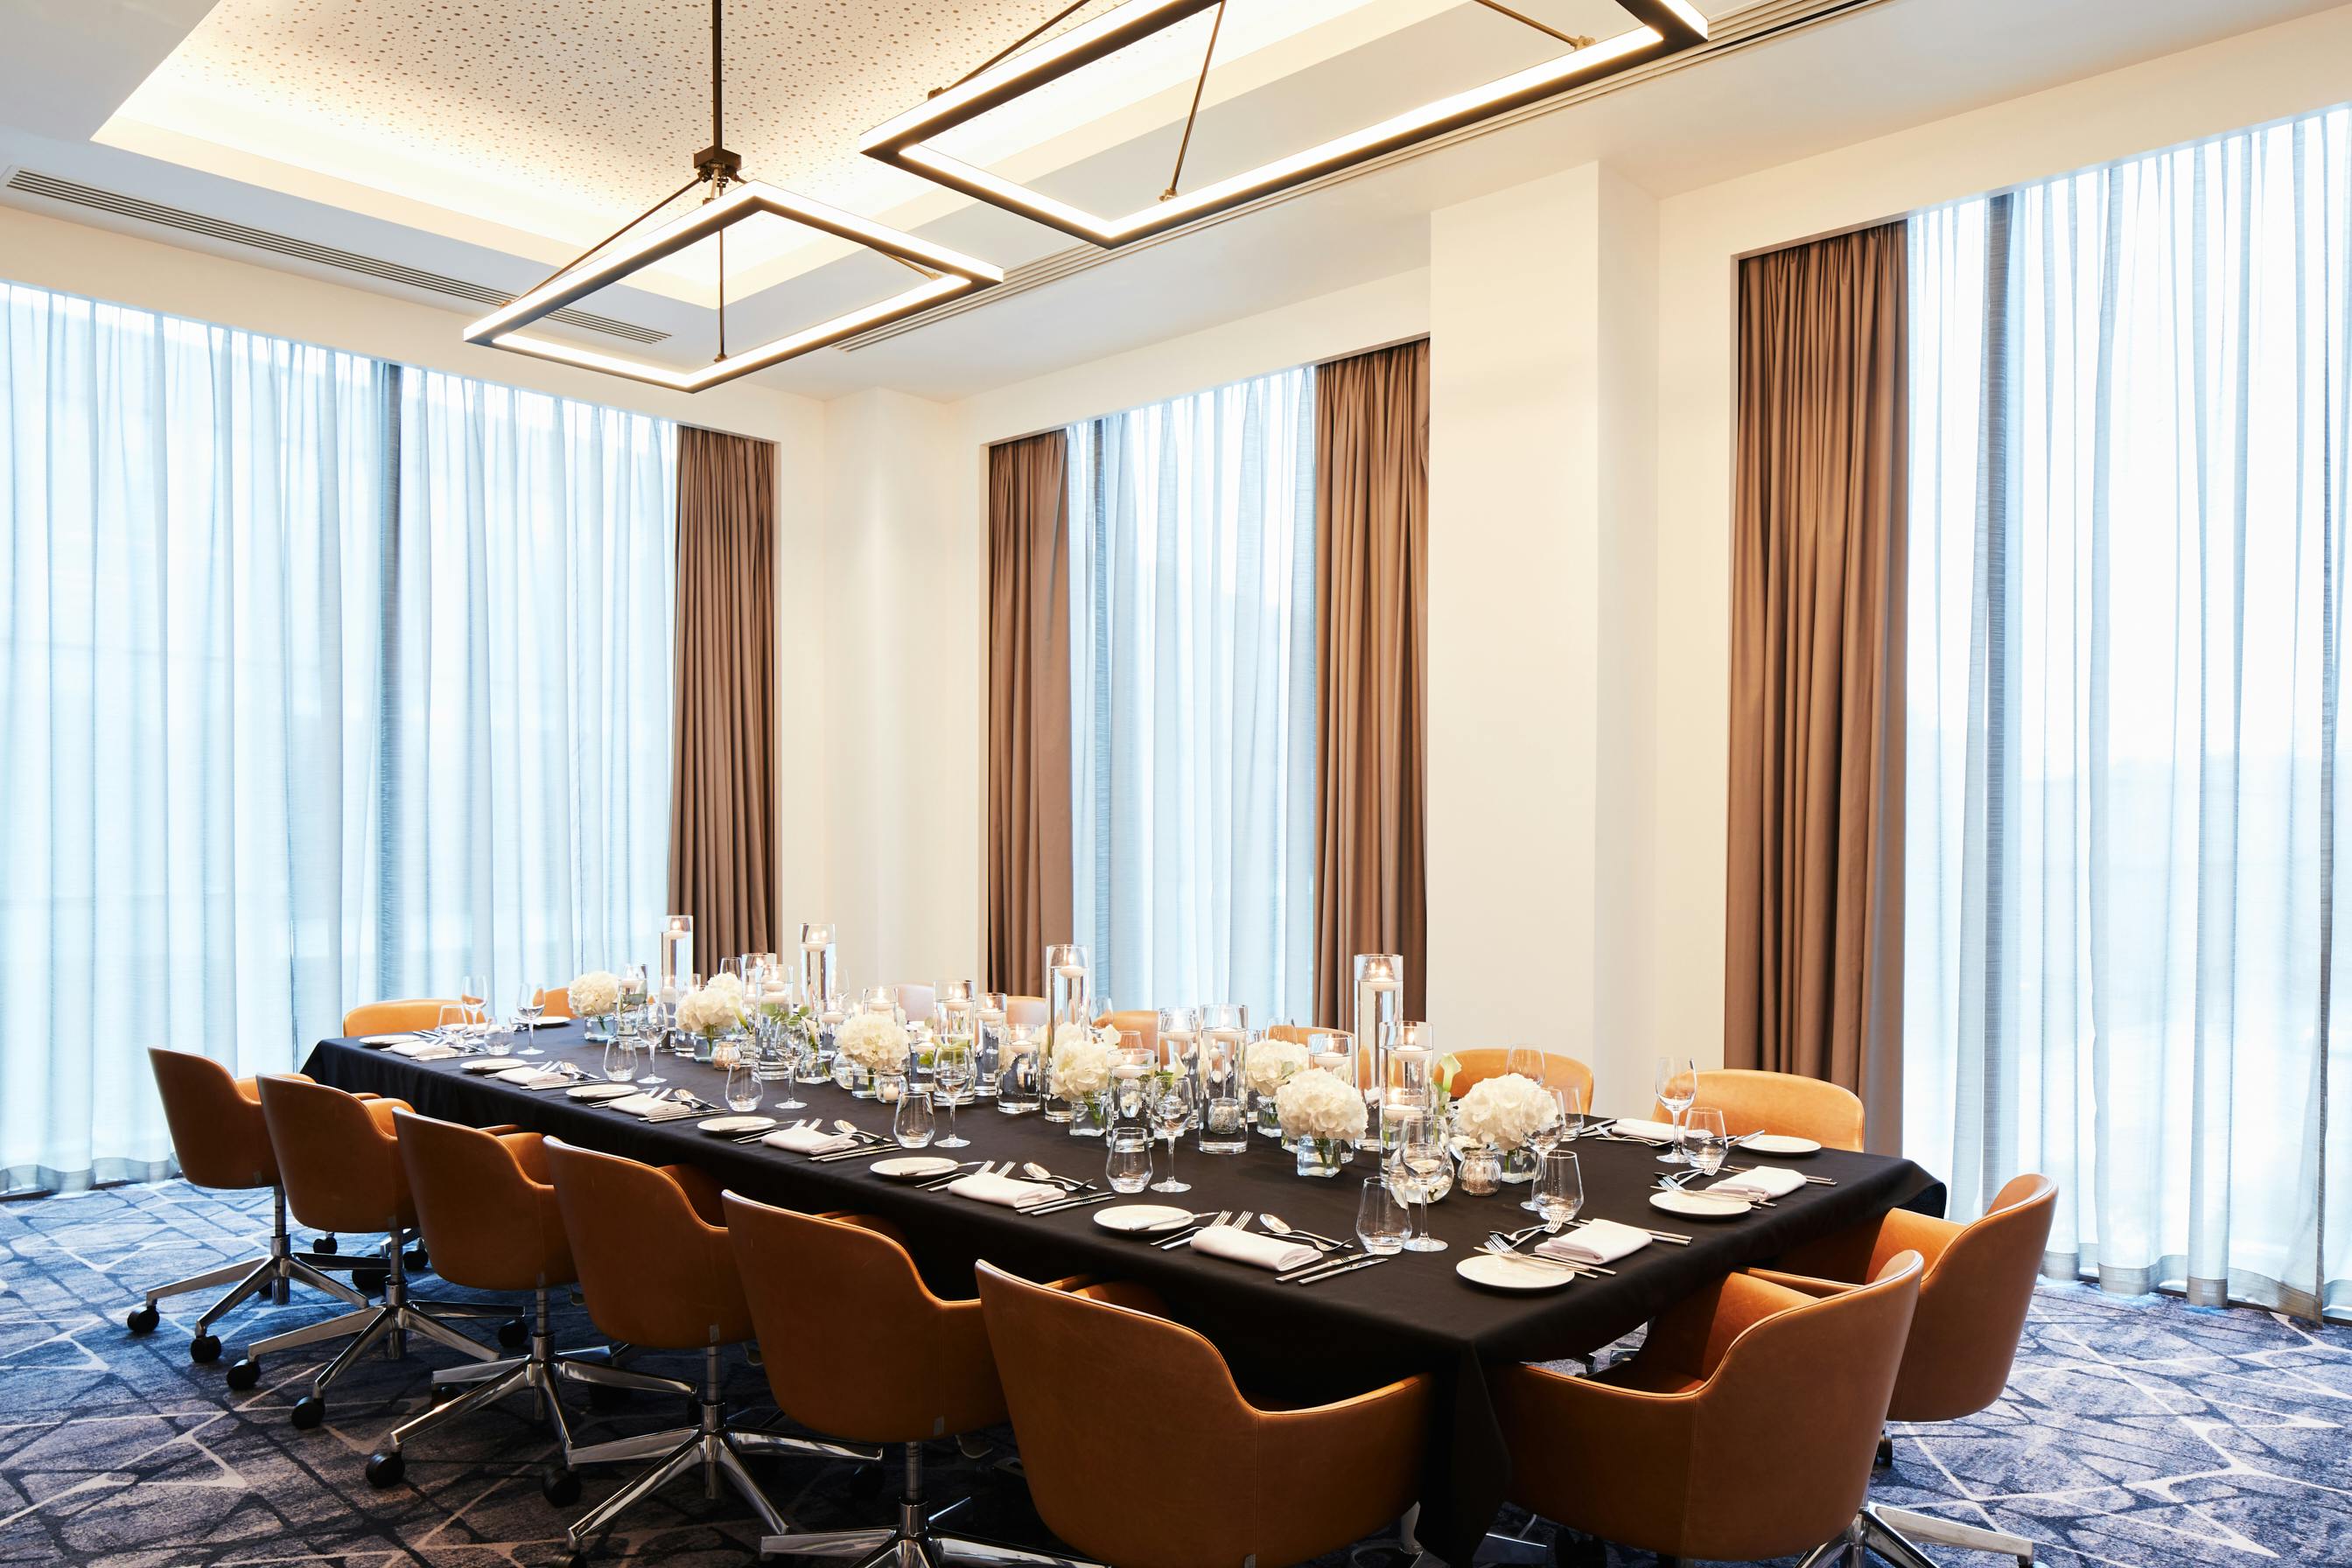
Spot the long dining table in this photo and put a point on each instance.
(1351, 1332)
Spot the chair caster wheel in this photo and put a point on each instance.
(866, 1481)
(514, 1333)
(325, 1243)
(143, 1320)
(1885, 1453)
(604, 1396)
(417, 1260)
(308, 1411)
(204, 1349)
(385, 1469)
(560, 1486)
(244, 1374)
(370, 1281)
(577, 1560)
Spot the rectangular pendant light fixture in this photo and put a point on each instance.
(1665, 26)
(947, 273)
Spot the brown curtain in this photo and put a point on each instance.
(723, 792)
(1372, 569)
(1028, 708)
(1814, 919)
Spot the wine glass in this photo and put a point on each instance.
(1381, 1224)
(1677, 1085)
(1559, 1189)
(632, 983)
(793, 1045)
(1127, 1159)
(1423, 1171)
(1705, 1141)
(474, 991)
(1528, 1061)
(1543, 1138)
(529, 1004)
(652, 1022)
(621, 1058)
(914, 1123)
(952, 1071)
(1171, 1113)
(743, 1087)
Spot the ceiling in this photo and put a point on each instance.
(491, 140)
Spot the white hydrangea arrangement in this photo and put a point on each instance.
(728, 985)
(1503, 1110)
(594, 994)
(711, 1009)
(1082, 1059)
(1271, 1060)
(1319, 1105)
(872, 1041)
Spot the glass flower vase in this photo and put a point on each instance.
(1088, 1114)
(1519, 1166)
(1321, 1156)
(853, 1077)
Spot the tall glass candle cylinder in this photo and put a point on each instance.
(817, 984)
(1380, 1009)
(1223, 1095)
(677, 950)
(1069, 985)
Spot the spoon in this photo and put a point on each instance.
(1037, 1171)
(1280, 1226)
(1496, 1244)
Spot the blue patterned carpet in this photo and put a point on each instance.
(2136, 1432)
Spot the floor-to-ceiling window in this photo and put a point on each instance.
(321, 679)
(1193, 696)
(2131, 394)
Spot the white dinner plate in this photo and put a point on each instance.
(1133, 1218)
(1778, 1144)
(1697, 1206)
(737, 1124)
(1509, 1274)
(486, 1064)
(601, 1091)
(912, 1167)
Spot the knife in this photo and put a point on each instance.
(1342, 1269)
(1329, 1260)
(1058, 1204)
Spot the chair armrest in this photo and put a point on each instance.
(383, 1111)
(1125, 1293)
(1692, 1335)
(501, 1129)
(1349, 1437)
(1803, 1283)
(1598, 1454)
(529, 1153)
(703, 1193)
(1903, 1231)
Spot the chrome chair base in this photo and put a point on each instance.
(390, 1322)
(1894, 1533)
(914, 1543)
(712, 1445)
(276, 1271)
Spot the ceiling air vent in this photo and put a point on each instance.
(75, 194)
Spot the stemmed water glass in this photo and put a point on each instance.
(1171, 1113)
(473, 991)
(1422, 1172)
(652, 1022)
(951, 1070)
(1677, 1085)
(529, 1006)
(1544, 1138)
(1528, 1061)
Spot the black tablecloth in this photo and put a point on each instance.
(1412, 1314)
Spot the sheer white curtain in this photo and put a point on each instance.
(274, 703)
(2132, 402)
(1193, 696)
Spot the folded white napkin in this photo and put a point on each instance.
(425, 1051)
(534, 1077)
(1248, 1247)
(808, 1141)
(1763, 1182)
(1663, 1131)
(652, 1108)
(1598, 1241)
(1006, 1190)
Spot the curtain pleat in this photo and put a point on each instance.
(1371, 523)
(1813, 890)
(723, 816)
(1028, 708)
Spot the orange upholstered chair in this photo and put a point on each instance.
(400, 1017)
(555, 1002)
(1141, 1020)
(1973, 1299)
(1025, 1012)
(1493, 1061)
(339, 1161)
(1783, 1102)
(221, 1142)
(1667, 1452)
(1229, 1482)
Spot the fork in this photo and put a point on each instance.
(1186, 1235)
(987, 1168)
(1241, 1222)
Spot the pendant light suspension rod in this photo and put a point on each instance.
(1573, 40)
(1017, 45)
(718, 77)
(1200, 85)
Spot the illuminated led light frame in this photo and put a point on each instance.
(954, 273)
(1666, 27)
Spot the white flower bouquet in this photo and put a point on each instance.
(1504, 1112)
(874, 1042)
(711, 1010)
(1321, 1106)
(1270, 1061)
(1081, 1060)
(594, 994)
(729, 986)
